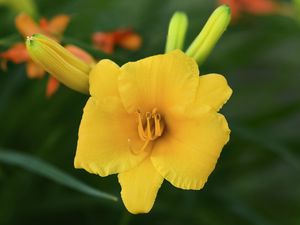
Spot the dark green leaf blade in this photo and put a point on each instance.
(44, 169)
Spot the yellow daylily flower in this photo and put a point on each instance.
(151, 120)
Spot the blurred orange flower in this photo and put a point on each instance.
(54, 29)
(125, 38)
(257, 7)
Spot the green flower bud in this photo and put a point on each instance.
(59, 62)
(210, 34)
(177, 30)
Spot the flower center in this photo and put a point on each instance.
(150, 127)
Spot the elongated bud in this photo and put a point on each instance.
(210, 34)
(59, 62)
(177, 30)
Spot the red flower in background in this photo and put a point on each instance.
(54, 29)
(256, 7)
(125, 38)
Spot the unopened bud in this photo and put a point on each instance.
(210, 34)
(59, 62)
(177, 30)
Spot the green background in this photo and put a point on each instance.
(256, 180)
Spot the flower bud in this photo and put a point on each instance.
(59, 62)
(210, 34)
(177, 30)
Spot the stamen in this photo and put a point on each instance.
(149, 129)
(158, 127)
(154, 111)
(145, 145)
(141, 131)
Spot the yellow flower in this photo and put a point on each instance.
(151, 120)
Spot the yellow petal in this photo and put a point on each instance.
(159, 81)
(188, 151)
(104, 79)
(108, 135)
(107, 138)
(213, 90)
(139, 187)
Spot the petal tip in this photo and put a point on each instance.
(90, 168)
(133, 207)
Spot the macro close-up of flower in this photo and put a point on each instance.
(160, 121)
(151, 110)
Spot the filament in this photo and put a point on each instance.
(150, 126)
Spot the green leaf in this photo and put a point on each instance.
(44, 169)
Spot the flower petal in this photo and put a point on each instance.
(17, 53)
(108, 138)
(58, 24)
(104, 41)
(260, 7)
(52, 86)
(34, 71)
(159, 81)
(129, 40)
(213, 91)
(81, 54)
(104, 79)
(139, 187)
(188, 151)
(26, 26)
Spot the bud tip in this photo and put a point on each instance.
(227, 8)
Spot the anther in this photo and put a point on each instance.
(154, 111)
(141, 131)
(150, 127)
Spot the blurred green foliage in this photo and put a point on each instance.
(256, 180)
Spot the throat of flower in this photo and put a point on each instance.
(150, 126)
